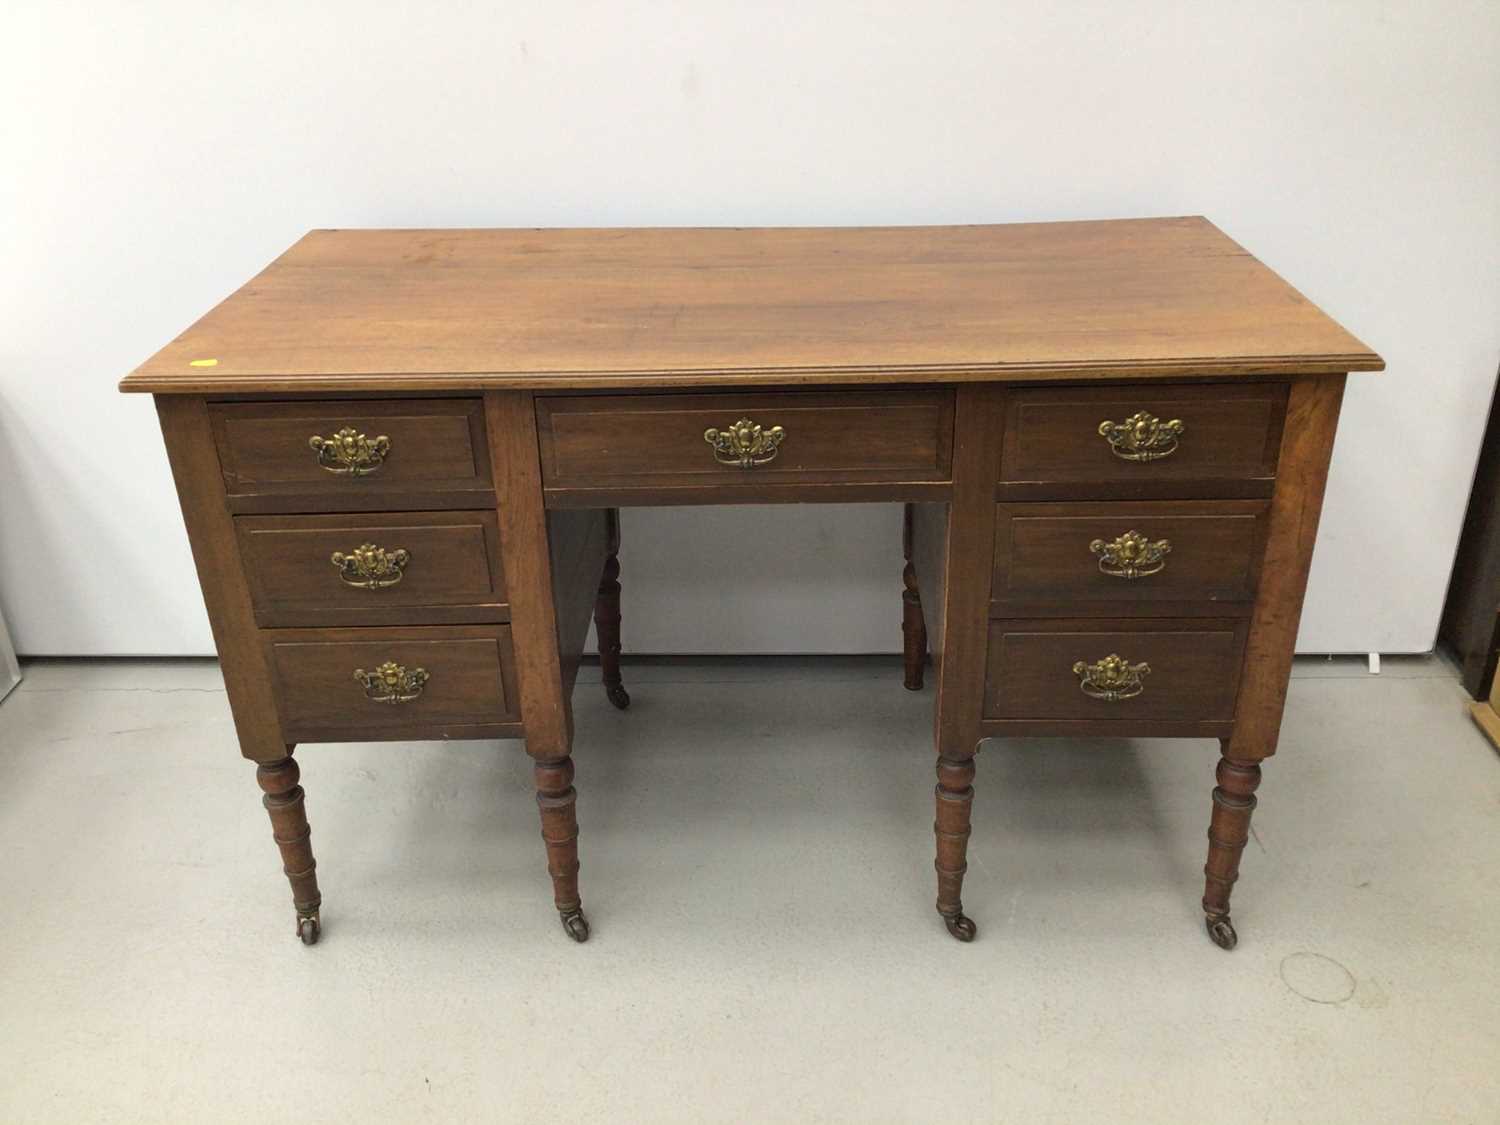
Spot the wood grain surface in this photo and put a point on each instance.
(189, 440)
(394, 310)
(1044, 563)
(436, 445)
(1231, 433)
(599, 442)
(1194, 668)
(471, 692)
(1312, 418)
(453, 572)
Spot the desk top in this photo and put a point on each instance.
(428, 310)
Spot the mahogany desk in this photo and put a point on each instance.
(400, 456)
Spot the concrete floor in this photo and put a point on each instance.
(757, 867)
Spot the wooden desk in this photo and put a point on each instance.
(401, 454)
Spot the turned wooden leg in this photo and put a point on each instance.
(607, 616)
(557, 799)
(964, 538)
(913, 626)
(1234, 801)
(955, 799)
(284, 803)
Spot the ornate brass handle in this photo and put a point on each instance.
(1112, 679)
(1142, 437)
(392, 683)
(1132, 555)
(745, 443)
(350, 453)
(369, 567)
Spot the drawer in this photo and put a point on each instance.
(1175, 670)
(454, 682)
(665, 441)
(402, 568)
(1142, 440)
(354, 455)
(1144, 556)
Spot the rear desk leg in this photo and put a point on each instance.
(607, 615)
(913, 626)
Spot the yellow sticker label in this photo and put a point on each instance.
(203, 363)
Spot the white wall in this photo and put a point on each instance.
(157, 154)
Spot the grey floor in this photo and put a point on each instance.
(757, 867)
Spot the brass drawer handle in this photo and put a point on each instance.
(1112, 679)
(392, 683)
(369, 567)
(1132, 555)
(745, 443)
(1142, 437)
(349, 453)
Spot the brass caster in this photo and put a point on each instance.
(961, 926)
(576, 925)
(308, 928)
(619, 697)
(1221, 930)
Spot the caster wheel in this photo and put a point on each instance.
(308, 929)
(1221, 930)
(576, 925)
(618, 695)
(961, 926)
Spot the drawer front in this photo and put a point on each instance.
(663, 441)
(1221, 433)
(1193, 556)
(1050, 670)
(403, 568)
(445, 683)
(358, 454)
